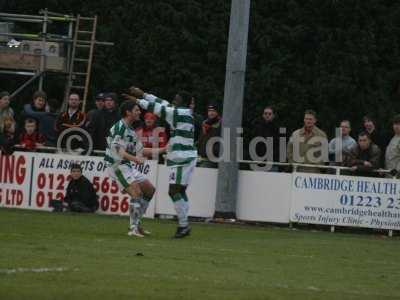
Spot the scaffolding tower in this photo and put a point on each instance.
(35, 54)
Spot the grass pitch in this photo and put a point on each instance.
(70, 256)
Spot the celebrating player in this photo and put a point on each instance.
(182, 154)
(123, 148)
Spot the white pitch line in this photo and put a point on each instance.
(33, 270)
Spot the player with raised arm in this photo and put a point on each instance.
(181, 154)
(123, 149)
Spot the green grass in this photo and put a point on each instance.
(99, 261)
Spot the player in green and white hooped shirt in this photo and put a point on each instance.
(123, 148)
(181, 153)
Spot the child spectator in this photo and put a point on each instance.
(5, 109)
(31, 139)
(8, 138)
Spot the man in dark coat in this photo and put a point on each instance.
(267, 128)
(110, 112)
(80, 196)
(95, 123)
(365, 157)
(377, 136)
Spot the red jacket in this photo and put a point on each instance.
(30, 140)
(152, 136)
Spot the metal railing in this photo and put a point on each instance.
(295, 166)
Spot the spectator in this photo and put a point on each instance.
(364, 157)
(392, 156)
(99, 102)
(110, 112)
(71, 118)
(46, 116)
(267, 128)
(198, 120)
(308, 145)
(5, 109)
(369, 126)
(95, 124)
(151, 135)
(340, 146)
(8, 138)
(80, 195)
(211, 128)
(31, 139)
(38, 104)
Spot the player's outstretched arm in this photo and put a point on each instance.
(153, 104)
(154, 152)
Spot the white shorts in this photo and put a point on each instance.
(124, 175)
(182, 175)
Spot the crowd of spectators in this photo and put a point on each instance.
(41, 122)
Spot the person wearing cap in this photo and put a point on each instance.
(110, 111)
(151, 135)
(210, 128)
(95, 124)
(99, 101)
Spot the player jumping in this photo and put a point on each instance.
(123, 148)
(182, 155)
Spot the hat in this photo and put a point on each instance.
(150, 116)
(212, 107)
(100, 96)
(112, 96)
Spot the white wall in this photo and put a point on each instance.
(264, 196)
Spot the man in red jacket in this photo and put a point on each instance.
(150, 135)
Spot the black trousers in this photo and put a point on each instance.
(77, 206)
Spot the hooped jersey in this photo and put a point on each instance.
(122, 136)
